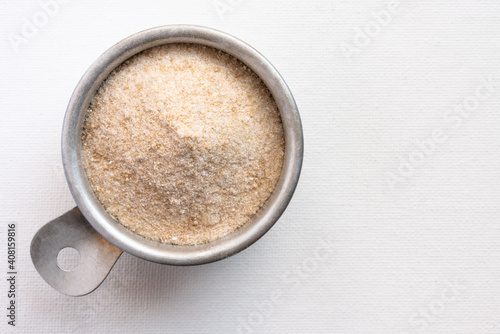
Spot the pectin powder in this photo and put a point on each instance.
(183, 144)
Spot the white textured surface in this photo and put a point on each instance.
(351, 254)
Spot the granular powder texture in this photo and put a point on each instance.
(183, 144)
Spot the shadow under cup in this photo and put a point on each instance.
(104, 228)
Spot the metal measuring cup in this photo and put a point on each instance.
(94, 233)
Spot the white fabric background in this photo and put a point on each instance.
(421, 256)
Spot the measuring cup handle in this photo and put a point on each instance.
(97, 256)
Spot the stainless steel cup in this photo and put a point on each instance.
(101, 242)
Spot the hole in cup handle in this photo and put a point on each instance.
(97, 255)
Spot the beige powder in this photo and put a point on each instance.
(183, 144)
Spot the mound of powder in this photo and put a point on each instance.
(182, 144)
